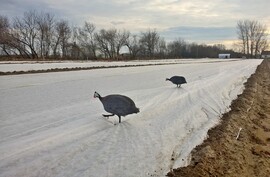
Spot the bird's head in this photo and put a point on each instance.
(96, 95)
(167, 79)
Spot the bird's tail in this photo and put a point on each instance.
(137, 110)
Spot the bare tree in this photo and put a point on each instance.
(30, 36)
(45, 22)
(26, 31)
(87, 40)
(176, 48)
(161, 48)
(62, 35)
(133, 45)
(253, 37)
(242, 35)
(103, 43)
(121, 40)
(260, 40)
(149, 41)
(110, 41)
(8, 44)
(4, 34)
(220, 46)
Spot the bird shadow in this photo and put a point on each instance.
(125, 123)
(113, 120)
(180, 89)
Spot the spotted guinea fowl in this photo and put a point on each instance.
(178, 80)
(119, 105)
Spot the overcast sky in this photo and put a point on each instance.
(201, 21)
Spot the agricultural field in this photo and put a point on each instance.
(51, 125)
(239, 145)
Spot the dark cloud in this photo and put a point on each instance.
(117, 22)
(16, 8)
(200, 33)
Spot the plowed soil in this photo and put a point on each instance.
(240, 144)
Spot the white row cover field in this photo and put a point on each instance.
(10, 66)
(50, 124)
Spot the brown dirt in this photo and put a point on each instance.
(249, 155)
(76, 69)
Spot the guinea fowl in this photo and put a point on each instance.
(119, 105)
(178, 80)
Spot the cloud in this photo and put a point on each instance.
(200, 34)
(16, 8)
(191, 20)
(117, 22)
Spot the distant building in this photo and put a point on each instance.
(265, 54)
(224, 55)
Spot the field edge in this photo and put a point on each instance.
(240, 143)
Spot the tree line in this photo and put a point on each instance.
(43, 36)
(252, 37)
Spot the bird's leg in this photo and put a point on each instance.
(119, 119)
(108, 115)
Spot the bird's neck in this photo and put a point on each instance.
(100, 98)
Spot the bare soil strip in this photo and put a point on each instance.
(72, 69)
(240, 144)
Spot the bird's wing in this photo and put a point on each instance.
(117, 104)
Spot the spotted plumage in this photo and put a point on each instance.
(119, 105)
